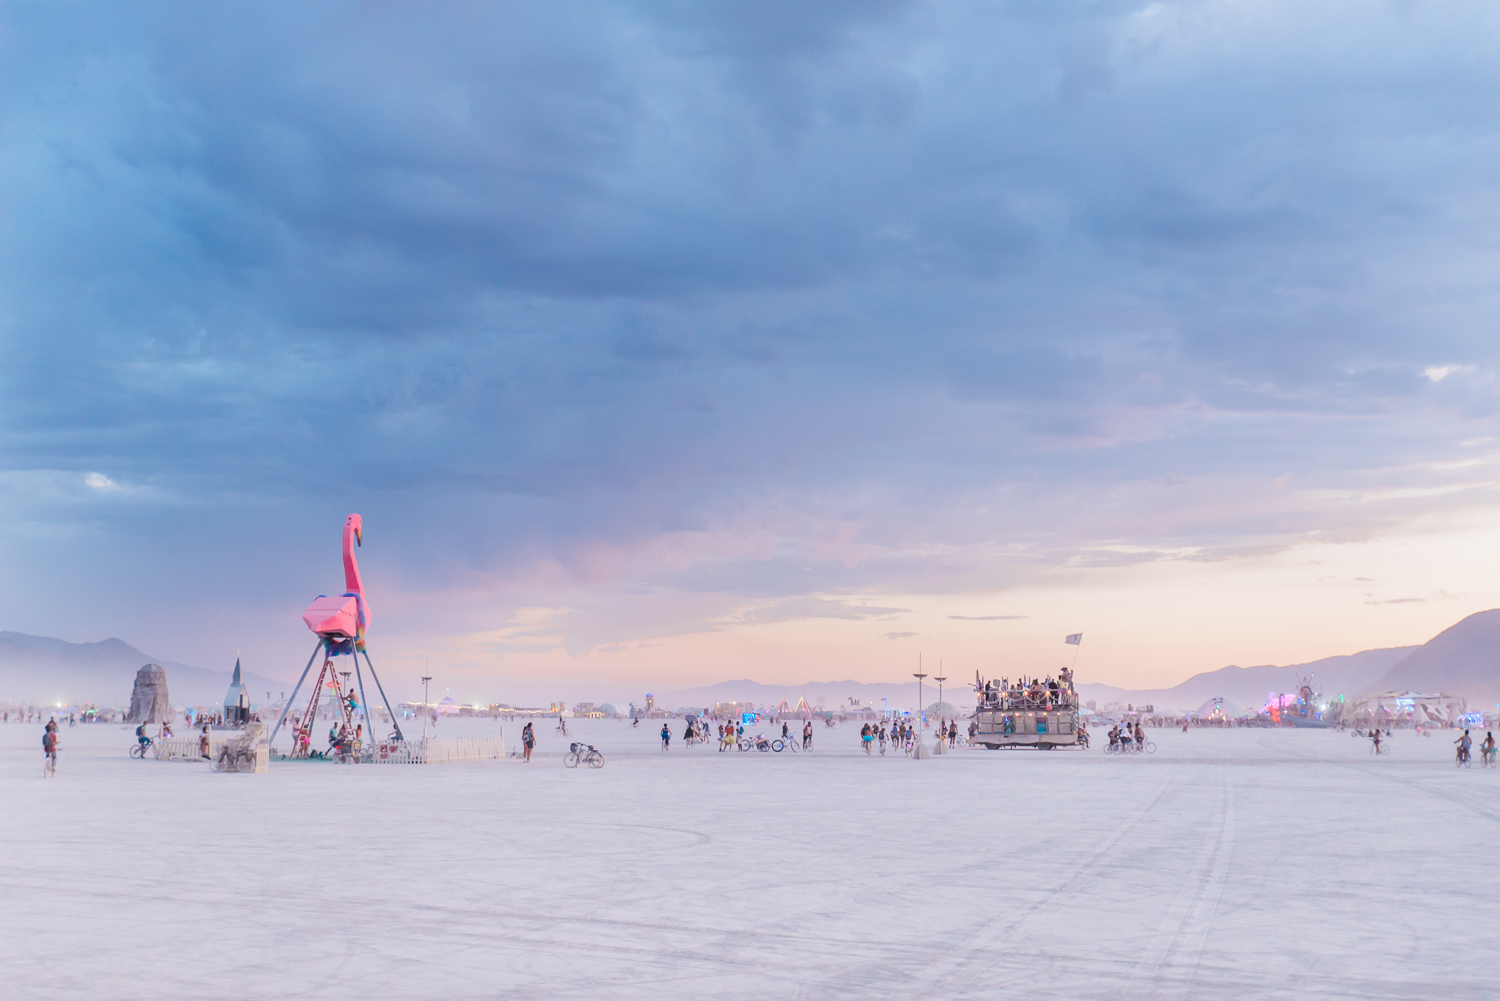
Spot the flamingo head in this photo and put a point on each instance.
(355, 522)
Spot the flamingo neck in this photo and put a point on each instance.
(352, 583)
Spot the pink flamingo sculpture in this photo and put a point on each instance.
(347, 616)
(340, 623)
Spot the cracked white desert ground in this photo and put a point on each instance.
(1231, 864)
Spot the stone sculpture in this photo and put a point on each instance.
(148, 701)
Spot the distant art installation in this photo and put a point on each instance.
(148, 700)
(340, 623)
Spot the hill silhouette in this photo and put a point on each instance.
(1463, 659)
(40, 670)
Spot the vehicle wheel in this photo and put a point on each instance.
(135, 752)
(778, 746)
(1150, 747)
(596, 760)
(1044, 747)
(571, 759)
(764, 748)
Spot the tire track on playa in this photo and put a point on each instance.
(1179, 940)
(972, 958)
(1464, 802)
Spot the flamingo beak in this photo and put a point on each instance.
(359, 538)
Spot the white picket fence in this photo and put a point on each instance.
(186, 748)
(436, 752)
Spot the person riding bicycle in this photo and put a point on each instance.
(140, 736)
(1114, 738)
(1140, 735)
(1464, 744)
(1126, 738)
(1487, 746)
(1375, 737)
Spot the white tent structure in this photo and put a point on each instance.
(1222, 708)
(1407, 709)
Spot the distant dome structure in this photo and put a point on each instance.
(943, 710)
(1224, 708)
(610, 709)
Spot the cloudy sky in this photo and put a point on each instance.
(664, 343)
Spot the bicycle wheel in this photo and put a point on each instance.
(571, 759)
(1150, 747)
(138, 751)
(778, 746)
(792, 743)
(596, 760)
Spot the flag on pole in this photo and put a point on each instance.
(1074, 639)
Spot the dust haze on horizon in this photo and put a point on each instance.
(668, 343)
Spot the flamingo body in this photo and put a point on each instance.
(334, 617)
(346, 616)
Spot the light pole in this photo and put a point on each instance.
(940, 687)
(425, 679)
(919, 676)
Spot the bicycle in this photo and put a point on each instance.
(140, 749)
(1462, 758)
(1487, 757)
(1149, 747)
(786, 744)
(580, 754)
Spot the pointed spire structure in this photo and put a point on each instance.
(236, 700)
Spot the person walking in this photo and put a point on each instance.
(203, 751)
(528, 741)
(666, 737)
(807, 735)
(49, 751)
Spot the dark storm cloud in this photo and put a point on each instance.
(526, 280)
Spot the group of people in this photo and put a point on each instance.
(1466, 745)
(1127, 737)
(1028, 693)
(35, 717)
(903, 734)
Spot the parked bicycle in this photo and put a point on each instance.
(583, 754)
(755, 743)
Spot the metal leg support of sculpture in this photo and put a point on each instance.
(300, 680)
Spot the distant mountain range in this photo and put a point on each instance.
(1349, 675)
(1463, 659)
(38, 670)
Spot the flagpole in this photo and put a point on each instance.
(1079, 646)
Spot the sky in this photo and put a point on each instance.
(665, 343)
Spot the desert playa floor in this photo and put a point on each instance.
(1230, 864)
